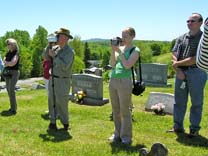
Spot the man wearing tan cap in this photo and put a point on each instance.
(59, 83)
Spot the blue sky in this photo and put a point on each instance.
(152, 19)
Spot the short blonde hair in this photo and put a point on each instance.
(131, 31)
(13, 42)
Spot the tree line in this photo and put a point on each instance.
(31, 48)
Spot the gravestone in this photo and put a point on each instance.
(165, 98)
(92, 85)
(154, 74)
(93, 70)
(98, 72)
(37, 86)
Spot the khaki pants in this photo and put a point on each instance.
(10, 86)
(59, 107)
(120, 96)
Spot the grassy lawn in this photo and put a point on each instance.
(25, 133)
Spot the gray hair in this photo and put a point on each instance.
(13, 42)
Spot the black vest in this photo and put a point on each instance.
(9, 56)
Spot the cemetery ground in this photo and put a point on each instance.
(25, 133)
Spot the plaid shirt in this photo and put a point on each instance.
(186, 45)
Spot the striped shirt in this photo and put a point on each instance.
(186, 46)
(202, 52)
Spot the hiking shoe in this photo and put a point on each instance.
(143, 152)
(126, 141)
(52, 126)
(114, 138)
(193, 133)
(13, 112)
(66, 127)
(176, 130)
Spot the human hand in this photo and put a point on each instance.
(51, 53)
(174, 64)
(5, 63)
(180, 74)
(115, 49)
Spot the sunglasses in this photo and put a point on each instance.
(191, 21)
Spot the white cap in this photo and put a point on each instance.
(52, 38)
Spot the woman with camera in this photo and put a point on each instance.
(11, 64)
(120, 85)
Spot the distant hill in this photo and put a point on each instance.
(104, 40)
(95, 40)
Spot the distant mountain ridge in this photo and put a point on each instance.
(95, 40)
(104, 40)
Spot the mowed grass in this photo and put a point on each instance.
(25, 133)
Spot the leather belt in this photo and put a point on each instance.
(188, 67)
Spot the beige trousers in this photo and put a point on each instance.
(58, 99)
(120, 96)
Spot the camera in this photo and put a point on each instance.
(55, 48)
(116, 41)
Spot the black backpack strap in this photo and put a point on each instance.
(132, 68)
(140, 69)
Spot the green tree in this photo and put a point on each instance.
(38, 43)
(95, 56)
(156, 49)
(25, 62)
(106, 58)
(145, 52)
(86, 55)
(77, 45)
(78, 65)
(172, 44)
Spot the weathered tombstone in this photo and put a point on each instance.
(157, 149)
(92, 86)
(37, 86)
(98, 72)
(154, 74)
(164, 98)
(93, 70)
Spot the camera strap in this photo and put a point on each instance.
(140, 69)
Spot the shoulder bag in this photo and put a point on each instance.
(6, 73)
(138, 86)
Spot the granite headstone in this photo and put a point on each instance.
(165, 98)
(92, 85)
(154, 74)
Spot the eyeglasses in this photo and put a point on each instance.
(191, 21)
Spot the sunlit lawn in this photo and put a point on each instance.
(25, 133)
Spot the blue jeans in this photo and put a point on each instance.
(195, 83)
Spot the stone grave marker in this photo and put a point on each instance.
(92, 86)
(154, 74)
(94, 70)
(156, 97)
